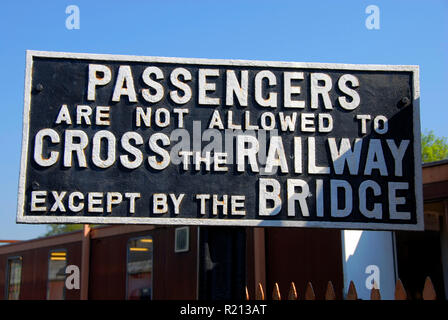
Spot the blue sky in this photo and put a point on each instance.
(411, 32)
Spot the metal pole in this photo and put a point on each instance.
(85, 262)
(259, 257)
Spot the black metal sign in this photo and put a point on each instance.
(150, 140)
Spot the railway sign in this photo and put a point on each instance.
(152, 140)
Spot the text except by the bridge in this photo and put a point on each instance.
(62, 147)
(234, 205)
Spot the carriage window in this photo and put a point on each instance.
(56, 275)
(139, 269)
(181, 239)
(14, 278)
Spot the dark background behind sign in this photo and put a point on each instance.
(64, 81)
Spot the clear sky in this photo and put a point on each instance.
(410, 32)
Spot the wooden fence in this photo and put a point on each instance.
(428, 292)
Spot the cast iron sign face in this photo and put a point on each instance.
(150, 140)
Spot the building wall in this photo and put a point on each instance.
(107, 277)
(435, 194)
(302, 255)
(369, 256)
(175, 274)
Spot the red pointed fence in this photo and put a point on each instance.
(428, 292)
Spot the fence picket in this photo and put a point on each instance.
(428, 290)
(259, 294)
(292, 294)
(309, 292)
(375, 294)
(400, 292)
(329, 293)
(352, 294)
(276, 292)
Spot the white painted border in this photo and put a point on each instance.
(25, 133)
(30, 54)
(222, 62)
(418, 179)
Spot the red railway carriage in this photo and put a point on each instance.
(125, 262)
(147, 262)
